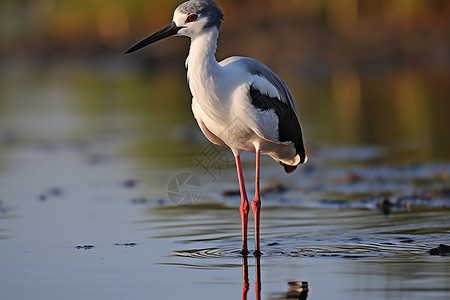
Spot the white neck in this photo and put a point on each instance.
(201, 62)
(203, 69)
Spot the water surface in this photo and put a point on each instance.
(86, 162)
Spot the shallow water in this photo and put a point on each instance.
(87, 204)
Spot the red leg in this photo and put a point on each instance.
(244, 208)
(256, 206)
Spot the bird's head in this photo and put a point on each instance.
(195, 16)
(191, 18)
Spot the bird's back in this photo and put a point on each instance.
(256, 67)
(272, 107)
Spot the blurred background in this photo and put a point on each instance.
(363, 72)
(90, 140)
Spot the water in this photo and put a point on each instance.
(85, 165)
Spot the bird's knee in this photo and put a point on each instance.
(244, 208)
(256, 204)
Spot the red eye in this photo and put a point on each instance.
(192, 18)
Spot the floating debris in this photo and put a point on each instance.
(85, 247)
(126, 244)
(297, 290)
(130, 183)
(385, 206)
(442, 250)
(51, 192)
(429, 199)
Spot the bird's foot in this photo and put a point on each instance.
(244, 252)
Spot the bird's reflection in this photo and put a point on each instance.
(296, 289)
(245, 281)
(258, 277)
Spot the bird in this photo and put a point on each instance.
(237, 102)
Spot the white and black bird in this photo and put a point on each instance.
(238, 102)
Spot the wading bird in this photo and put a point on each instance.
(238, 102)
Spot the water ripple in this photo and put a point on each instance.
(208, 253)
(338, 247)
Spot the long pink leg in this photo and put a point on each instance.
(256, 207)
(244, 208)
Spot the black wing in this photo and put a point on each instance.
(289, 129)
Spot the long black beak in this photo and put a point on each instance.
(167, 31)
